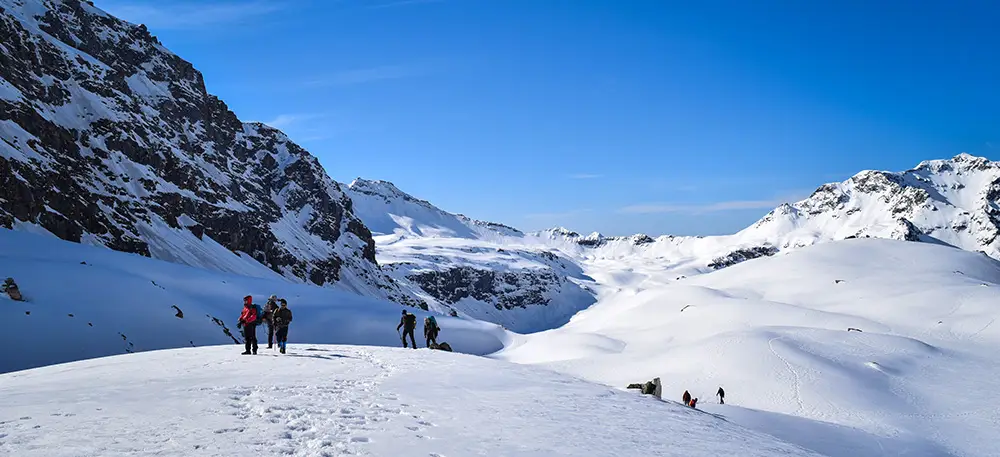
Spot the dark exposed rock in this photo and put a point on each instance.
(742, 255)
(121, 141)
(506, 290)
(10, 288)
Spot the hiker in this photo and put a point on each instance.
(686, 398)
(431, 330)
(282, 317)
(269, 309)
(249, 319)
(722, 396)
(409, 323)
(694, 401)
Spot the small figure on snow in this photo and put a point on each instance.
(269, 308)
(694, 401)
(431, 330)
(409, 323)
(282, 317)
(249, 319)
(722, 396)
(686, 399)
(10, 288)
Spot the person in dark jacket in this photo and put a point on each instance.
(409, 323)
(269, 309)
(248, 321)
(282, 317)
(686, 398)
(431, 330)
(722, 396)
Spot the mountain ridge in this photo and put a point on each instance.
(111, 139)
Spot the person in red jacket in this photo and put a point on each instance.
(249, 319)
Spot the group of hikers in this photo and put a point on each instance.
(276, 317)
(409, 324)
(688, 401)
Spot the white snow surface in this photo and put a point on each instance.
(345, 400)
(917, 380)
(85, 301)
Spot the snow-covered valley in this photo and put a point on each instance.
(136, 211)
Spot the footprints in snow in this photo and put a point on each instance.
(333, 419)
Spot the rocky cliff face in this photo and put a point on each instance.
(108, 138)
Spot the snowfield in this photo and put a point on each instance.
(343, 400)
(86, 301)
(915, 381)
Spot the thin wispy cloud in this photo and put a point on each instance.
(367, 75)
(731, 205)
(186, 15)
(585, 176)
(284, 121)
(310, 127)
(403, 3)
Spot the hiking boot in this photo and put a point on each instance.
(244, 353)
(269, 346)
(282, 350)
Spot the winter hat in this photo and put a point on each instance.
(404, 312)
(283, 302)
(273, 297)
(247, 300)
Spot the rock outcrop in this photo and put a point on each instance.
(108, 138)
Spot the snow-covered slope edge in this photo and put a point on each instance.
(336, 400)
(916, 379)
(107, 138)
(466, 267)
(85, 301)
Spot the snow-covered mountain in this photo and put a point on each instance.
(110, 139)
(386, 210)
(948, 201)
(465, 267)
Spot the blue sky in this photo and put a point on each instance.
(630, 116)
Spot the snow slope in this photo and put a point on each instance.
(386, 210)
(466, 267)
(85, 301)
(916, 381)
(339, 400)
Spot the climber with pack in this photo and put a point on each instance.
(686, 398)
(282, 317)
(268, 318)
(249, 319)
(431, 330)
(408, 323)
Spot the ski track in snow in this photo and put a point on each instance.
(796, 379)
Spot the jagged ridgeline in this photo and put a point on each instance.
(108, 138)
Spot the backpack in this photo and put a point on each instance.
(411, 320)
(431, 323)
(260, 312)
